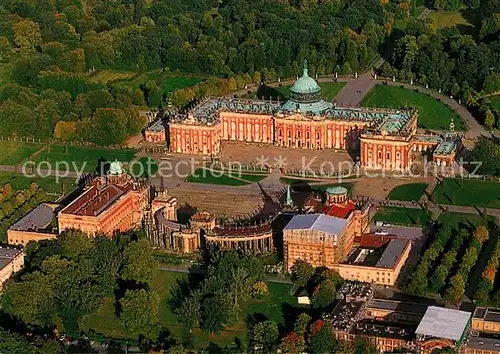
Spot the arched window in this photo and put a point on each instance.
(298, 134)
(398, 155)
(308, 135)
(279, 132)
(317, 135)
(369, 154)
(289, 133)
(380, 154)
(388, 155)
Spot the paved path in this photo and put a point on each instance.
(200, 271)
(352, 94)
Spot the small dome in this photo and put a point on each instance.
(305, 84)
(115, 168)
(336, 190)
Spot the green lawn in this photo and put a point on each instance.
(105, 76)
(432, 113)
(81, 157)
(442, 19)
(402, 216)
(143, 167)
(471, 221)
(166, 80)
(408, 192)
(202, 175)
(19, 181)
(468, 192)
(276, 307)
(14, 152)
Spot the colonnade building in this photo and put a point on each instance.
(383, 138)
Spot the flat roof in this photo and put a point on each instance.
(38, 218)
(318, 222)
(392, 253)
(492, 316)
(400, 306)
(483, 343)
(445, 323)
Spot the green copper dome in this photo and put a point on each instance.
(336, 190)
(305, 84)
(115, 168)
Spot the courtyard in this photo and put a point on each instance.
(287, 158)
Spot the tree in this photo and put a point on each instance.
(266, 334)
(259, 290)
(256, 78)
(487, 151)
(14, 343)
(26, 34)
(301, 273)
(456, 290)
(139, 311)
(292, 344)
(65, 131)
(138, 262)
(301, 324)
(75, 244)
(5, 50)
(190, 312)
(324, 294)
(481, 234)
(489, 119)
(239, 284)
(321, 338)
(218, 311)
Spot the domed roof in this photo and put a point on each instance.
(305, 83)
(336, 190)
(115, 168)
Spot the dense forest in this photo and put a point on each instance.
(52, 46)
(459, 61)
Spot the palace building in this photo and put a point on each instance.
(383, 138)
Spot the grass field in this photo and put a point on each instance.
(86, 159)
(167, 81)
(432, 113)
(202, 175)
(105, 76)
(14, 153)
(5, 70)
(402, 216)
(470, 221)
(277, 306)
(143, 167)
(408, 192)
(442, 19)
(468, 192)
(50, 184)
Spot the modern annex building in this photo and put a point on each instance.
(383, 138)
